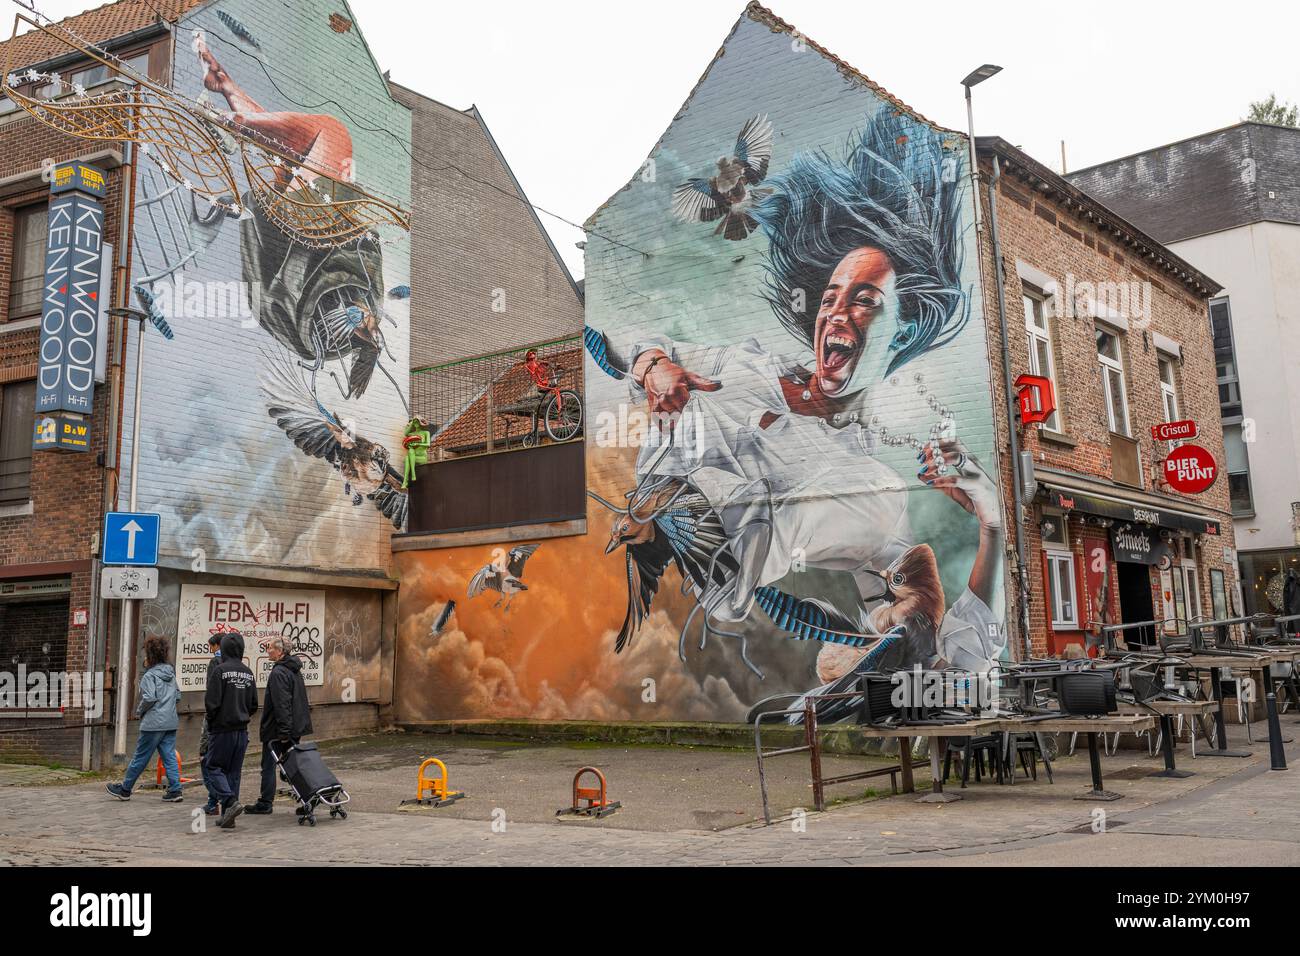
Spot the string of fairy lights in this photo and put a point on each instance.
(314, 202)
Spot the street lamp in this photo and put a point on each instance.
(978, 76)
(974, 78)
(126, 652)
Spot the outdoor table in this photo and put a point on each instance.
(1092, 726)
(1167, 710)
(1278, 655)
(1268, 656)
(938, 735)
(1212, 662)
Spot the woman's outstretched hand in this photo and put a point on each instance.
(667, 385)
(948, 466)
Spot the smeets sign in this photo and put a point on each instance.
(1190, 469)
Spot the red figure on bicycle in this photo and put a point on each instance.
(559, 410)
(540, 371)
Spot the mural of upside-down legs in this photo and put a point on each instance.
(299, 174)
(288, 307)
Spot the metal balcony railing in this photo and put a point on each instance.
(489, 403)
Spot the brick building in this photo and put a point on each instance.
(1230, 200)
(482, 236)
(1119, 324)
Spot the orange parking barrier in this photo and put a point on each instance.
(597, 802)
(180, 769)
(433, 791)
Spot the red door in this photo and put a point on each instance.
(1098, 584)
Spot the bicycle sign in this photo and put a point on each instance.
(129, 584)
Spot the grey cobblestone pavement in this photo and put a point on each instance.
(1231, 811)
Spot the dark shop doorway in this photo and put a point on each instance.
(1135, 603)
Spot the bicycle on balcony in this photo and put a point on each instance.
(557, 410)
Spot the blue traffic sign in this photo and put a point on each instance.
(131, 538)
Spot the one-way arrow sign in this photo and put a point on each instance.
(131, 538)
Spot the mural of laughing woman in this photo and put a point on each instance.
(785, 449)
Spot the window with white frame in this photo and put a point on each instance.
(1062, 594)
(1110, 354)
(1237, 466)
(1041, 361)
(1168, 389)
(1186, 585)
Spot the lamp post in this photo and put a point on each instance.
(126, 649)
(974, 78)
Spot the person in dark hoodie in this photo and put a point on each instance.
(230, 701)
(212, 807)
(286, 718)
(159, 693)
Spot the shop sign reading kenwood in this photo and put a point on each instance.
(65, 380)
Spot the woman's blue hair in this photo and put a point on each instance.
(897, 190)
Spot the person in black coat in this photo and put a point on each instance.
(286, 718)
(229, 703)
(213, 806)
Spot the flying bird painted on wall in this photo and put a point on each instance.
(238, 29)
(906, 620)
(505, 581)
(439, 622)
(904, 627)
(913, 603)
(363, 464)
(675, 524)
(680, 528)
(361, 325)
(734, 190)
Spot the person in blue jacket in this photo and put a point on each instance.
(159, 694)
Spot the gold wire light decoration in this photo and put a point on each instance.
(198, 147)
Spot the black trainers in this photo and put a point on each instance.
(259, 808)
(173, 796)
(119, 791)
(227, 821)
(212, 810)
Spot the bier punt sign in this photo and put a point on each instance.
(65, 378)
(1190, 469)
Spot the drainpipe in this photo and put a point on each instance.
(1017, 485)
(98, 629)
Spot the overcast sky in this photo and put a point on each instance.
(576, 92)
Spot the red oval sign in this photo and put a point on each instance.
(1174, 431)
(1190, 469)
